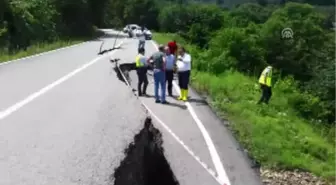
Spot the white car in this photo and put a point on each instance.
(148, 34)
(130, 29)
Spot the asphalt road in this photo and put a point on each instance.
(66, 119)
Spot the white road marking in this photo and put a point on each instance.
(51, 51)
(43, 53)
(211, 147)
(207, 168)
(47, 88)
(198, 159)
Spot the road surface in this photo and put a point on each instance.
(66, 119)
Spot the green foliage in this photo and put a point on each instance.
(194, 22)
(299, 122)
(240, 46)
(250, 12)
(26, 22)
(23, 23)
(74, 17)
(294, 57)
(142, 12)
(229, 48)
(292, 141)
(249, 37)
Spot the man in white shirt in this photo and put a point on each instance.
(142, 38)
(184, 68)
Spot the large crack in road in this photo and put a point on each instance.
(145, 163)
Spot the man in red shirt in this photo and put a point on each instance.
(172, 47)
(173, 50)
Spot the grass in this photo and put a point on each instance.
(36, 49)
(275, 135)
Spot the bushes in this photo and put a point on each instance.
(292, 141)
(233, 56)
(243, 15)
(142, 12)
(236, 48)
(24, 23)
(249, 38)
(194, 22)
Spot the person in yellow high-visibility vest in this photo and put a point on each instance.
(265, 81)
(141, 68)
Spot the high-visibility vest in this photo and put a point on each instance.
(266, 77)
(140, 61)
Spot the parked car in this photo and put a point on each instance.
(130, 27)
(148, 34)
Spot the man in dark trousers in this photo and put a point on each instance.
(141, 67)
(265, 81)
(170, 63)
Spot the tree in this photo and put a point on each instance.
(143, 12)
(97, 9)
(296, 55)
(219, 2)
(262, 2)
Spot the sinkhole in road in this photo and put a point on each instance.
(145, 163)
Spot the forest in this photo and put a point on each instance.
(231, 42)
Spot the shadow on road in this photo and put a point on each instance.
(198, 101)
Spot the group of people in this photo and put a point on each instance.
(165, 62)
(169, 60)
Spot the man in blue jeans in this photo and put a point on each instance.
(159, 66)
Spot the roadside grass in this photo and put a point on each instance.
(274, 135)
(36, 49)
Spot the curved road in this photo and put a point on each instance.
(66, 119)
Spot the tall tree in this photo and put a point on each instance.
(97, 9)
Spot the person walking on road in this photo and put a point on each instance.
(184, 68)
(265, 81)
(141, 68)
(142, 38)
(159, 66)
(170, 64)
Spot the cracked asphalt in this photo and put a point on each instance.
(75, 133)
